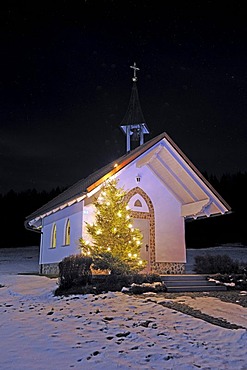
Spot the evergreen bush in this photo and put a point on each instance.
(157, 287)
(110, 283)
(210, 264)
(232, 281)
(115, 283)
(74, 271)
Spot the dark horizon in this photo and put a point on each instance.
(66, 84)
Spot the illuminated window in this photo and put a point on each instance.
(67, 233)
(54, 236)
(138, 203)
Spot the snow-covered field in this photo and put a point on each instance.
(109, 331)
(235, 251)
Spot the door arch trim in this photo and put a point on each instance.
(145, 215)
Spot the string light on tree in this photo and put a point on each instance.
(113, 236)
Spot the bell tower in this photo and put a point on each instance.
(133, 123)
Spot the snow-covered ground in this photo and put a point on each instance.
(108, 331)
(235, 251)
(19, 260)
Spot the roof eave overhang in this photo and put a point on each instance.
(191, 218)
(34, 223)
(117, 167)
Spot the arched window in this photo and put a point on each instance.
(54, 236)
(67, 233)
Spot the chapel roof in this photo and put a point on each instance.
(80, 187)
(79, 190)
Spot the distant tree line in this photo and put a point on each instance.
(15, 207)
(230, 228)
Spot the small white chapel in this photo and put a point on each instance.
(163, 190)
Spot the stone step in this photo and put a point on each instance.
(183, 277)
(190, 283)
(197, 288)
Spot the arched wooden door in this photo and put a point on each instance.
(144, 226)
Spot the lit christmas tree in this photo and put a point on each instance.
(115, 242)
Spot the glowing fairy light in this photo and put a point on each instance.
(113, 221)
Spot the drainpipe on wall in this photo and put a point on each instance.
(28, 227)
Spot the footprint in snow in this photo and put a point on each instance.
(125, 334)
(95, 353)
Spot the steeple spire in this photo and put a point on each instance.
(133, 123)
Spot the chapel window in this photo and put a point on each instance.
(138, 203)
(67, 233)
(54, 236)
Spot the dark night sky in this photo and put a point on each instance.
(65, 84)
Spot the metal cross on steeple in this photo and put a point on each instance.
(135, 69)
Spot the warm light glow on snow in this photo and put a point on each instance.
(174, 341)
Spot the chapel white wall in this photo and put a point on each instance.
(169, 225)
(50, 255)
